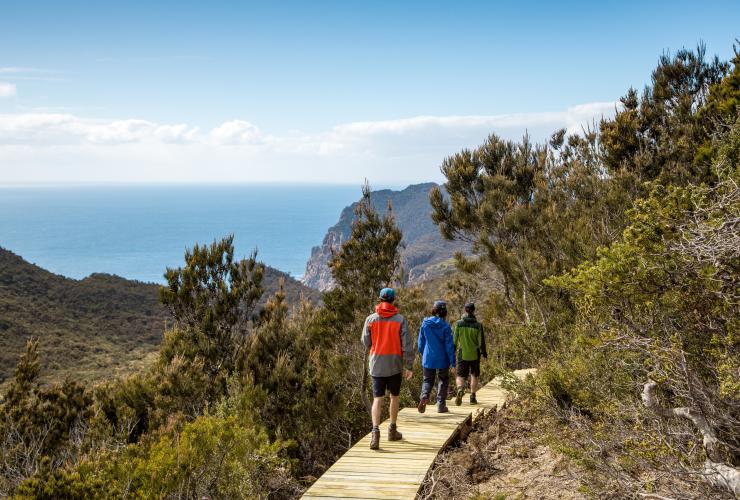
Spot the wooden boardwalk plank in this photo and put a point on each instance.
(397, 469)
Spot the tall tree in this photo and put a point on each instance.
(530, 210)
(659, 311)
(364, 264)
(657, 135)
(40, 427)
(212, 300)
(369, 259)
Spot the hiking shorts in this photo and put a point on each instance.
(392, 383)
(465, 368)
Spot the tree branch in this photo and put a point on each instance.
(716, 473)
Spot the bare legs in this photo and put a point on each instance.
(460, 382)
(378, 409)
(395, 403)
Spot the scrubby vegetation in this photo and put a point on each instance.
(92, 329)
(609, 260)
(612, 262)
(243, 401)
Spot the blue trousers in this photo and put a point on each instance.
(444, 381)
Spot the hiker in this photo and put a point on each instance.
(437, 349)
(387, 336)
(470, 347)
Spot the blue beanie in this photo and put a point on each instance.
(387, 294)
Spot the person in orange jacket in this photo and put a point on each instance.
(386, 334)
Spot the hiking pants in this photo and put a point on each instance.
(444, 382)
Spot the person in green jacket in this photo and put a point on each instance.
(470, 346)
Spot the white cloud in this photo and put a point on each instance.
(138, 131)
(176, 134)
(53, 129)
(7, 89)
(572, 116)
(120, 131)
(39, 129)
(52, 147)
(237, 132)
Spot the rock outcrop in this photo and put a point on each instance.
(424, 254)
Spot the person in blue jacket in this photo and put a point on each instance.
(437, 350)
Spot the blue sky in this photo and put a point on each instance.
(327, 91)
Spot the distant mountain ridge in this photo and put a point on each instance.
(92, 328)
(425, 253)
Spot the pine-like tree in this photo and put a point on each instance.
(40, 427)
(369, 259)
(364, 264)
(658, 135)
(212, 300)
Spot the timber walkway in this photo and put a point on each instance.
(397, 469)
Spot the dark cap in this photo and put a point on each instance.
(470, 307)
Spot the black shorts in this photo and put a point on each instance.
(392, 383)
(465, 368)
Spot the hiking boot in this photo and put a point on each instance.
(375, 439)
(442, 407)
(393, 434)
(473, 401)
(458, 398)
(422, 406)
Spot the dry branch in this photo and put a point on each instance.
(716, 473)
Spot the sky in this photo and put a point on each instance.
(329, 92)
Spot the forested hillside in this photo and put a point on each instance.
(89, 329)
(98, 326)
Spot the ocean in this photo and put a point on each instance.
(138, 231)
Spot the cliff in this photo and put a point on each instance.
(424, 254)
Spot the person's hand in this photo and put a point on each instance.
(453, 371)
(409, 374)
(484, 358)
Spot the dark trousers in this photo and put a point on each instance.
(444, 381)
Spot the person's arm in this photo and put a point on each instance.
(366, 338)
(407, 344)
(483, 349)
(450, 346)
(455, 337)
(421, 342)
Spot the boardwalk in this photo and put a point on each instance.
(397, 470)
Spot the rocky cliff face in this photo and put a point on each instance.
(424, 254)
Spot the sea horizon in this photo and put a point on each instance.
(136, 231)
(130, 184)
